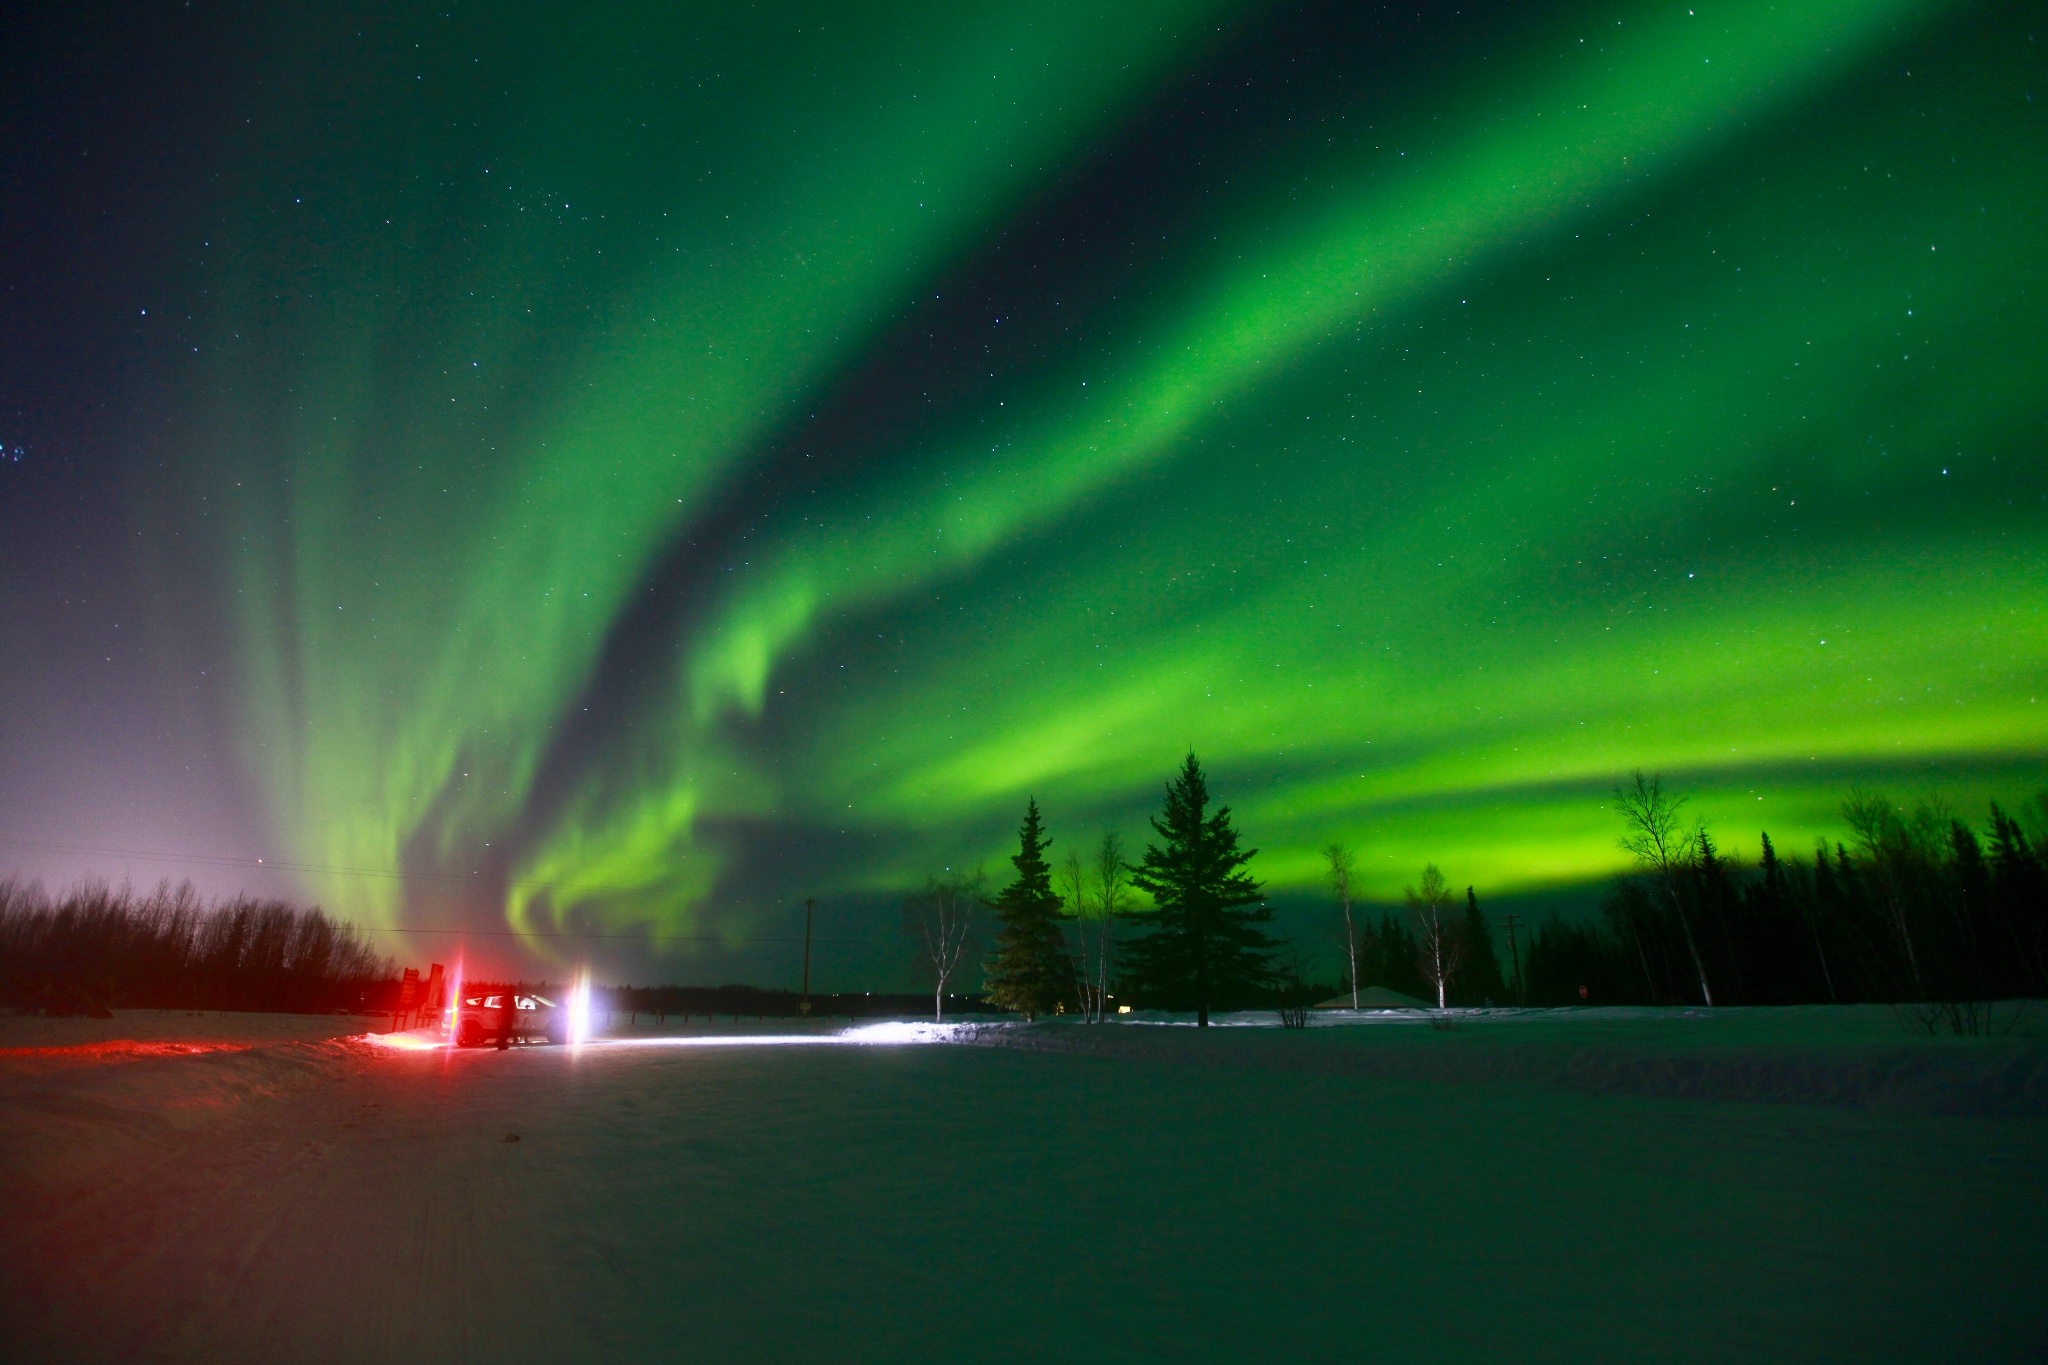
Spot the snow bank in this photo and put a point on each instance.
(81, 1097)
(899, 1194)
(179, 1026)
(1858, 1058)
(63, 1129)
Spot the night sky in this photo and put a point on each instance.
(623, 469)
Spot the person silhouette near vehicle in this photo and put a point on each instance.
(508, 1019)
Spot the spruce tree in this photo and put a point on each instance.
(1390, 962)
(1482, 981)
(1205, 948)
(1030, 972)
(2020, 890)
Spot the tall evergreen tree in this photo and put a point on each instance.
(2020, 890)
(1714, 892)
(1481, 982)
(1971, 902)
(1205, 947)
(1778, 906)
(1388, 959)
(1030, 972)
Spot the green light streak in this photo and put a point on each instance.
(476, 622)
(1369, 253)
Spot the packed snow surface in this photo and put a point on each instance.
(1572, 1185)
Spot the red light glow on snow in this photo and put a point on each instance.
(117, 1050)
(402, 1042)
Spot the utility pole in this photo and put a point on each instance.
(1516, 953)
(809, 901)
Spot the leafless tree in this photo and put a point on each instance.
(1340, 882)
(1440, 950)
(1887, 846)
(1112, 899)
(941, 919)
(1291, 971)
(1074, 892)
(1662, 847)
(1096, 893)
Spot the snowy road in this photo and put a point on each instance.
(944, 1203)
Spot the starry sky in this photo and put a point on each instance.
(579, 480)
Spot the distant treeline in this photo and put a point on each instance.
(681, 1004)
(98, 948)
(752, 1002)
(1916, 905)
(1392, 955)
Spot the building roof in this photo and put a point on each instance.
(1375, 998)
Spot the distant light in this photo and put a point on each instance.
(900, 1033)
(1123, 1009)
(579, 1010)
(888, 1034)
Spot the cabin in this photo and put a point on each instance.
(1376, 998)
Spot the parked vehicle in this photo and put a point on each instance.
(482, 1018)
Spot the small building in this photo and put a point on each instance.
(1376, 998)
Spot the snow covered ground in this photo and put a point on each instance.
(18, 1032)
(1582, 1185)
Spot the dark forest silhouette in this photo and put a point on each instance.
(97, 948)
(1915, 905)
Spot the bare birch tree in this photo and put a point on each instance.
(941, 919)
(1112, 898)
(1438, 948)
(1662, 848)
(1340, 882)
(1071, 883)
(1885, 843)
(1095, 893)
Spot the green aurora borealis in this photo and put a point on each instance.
(668, 462)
